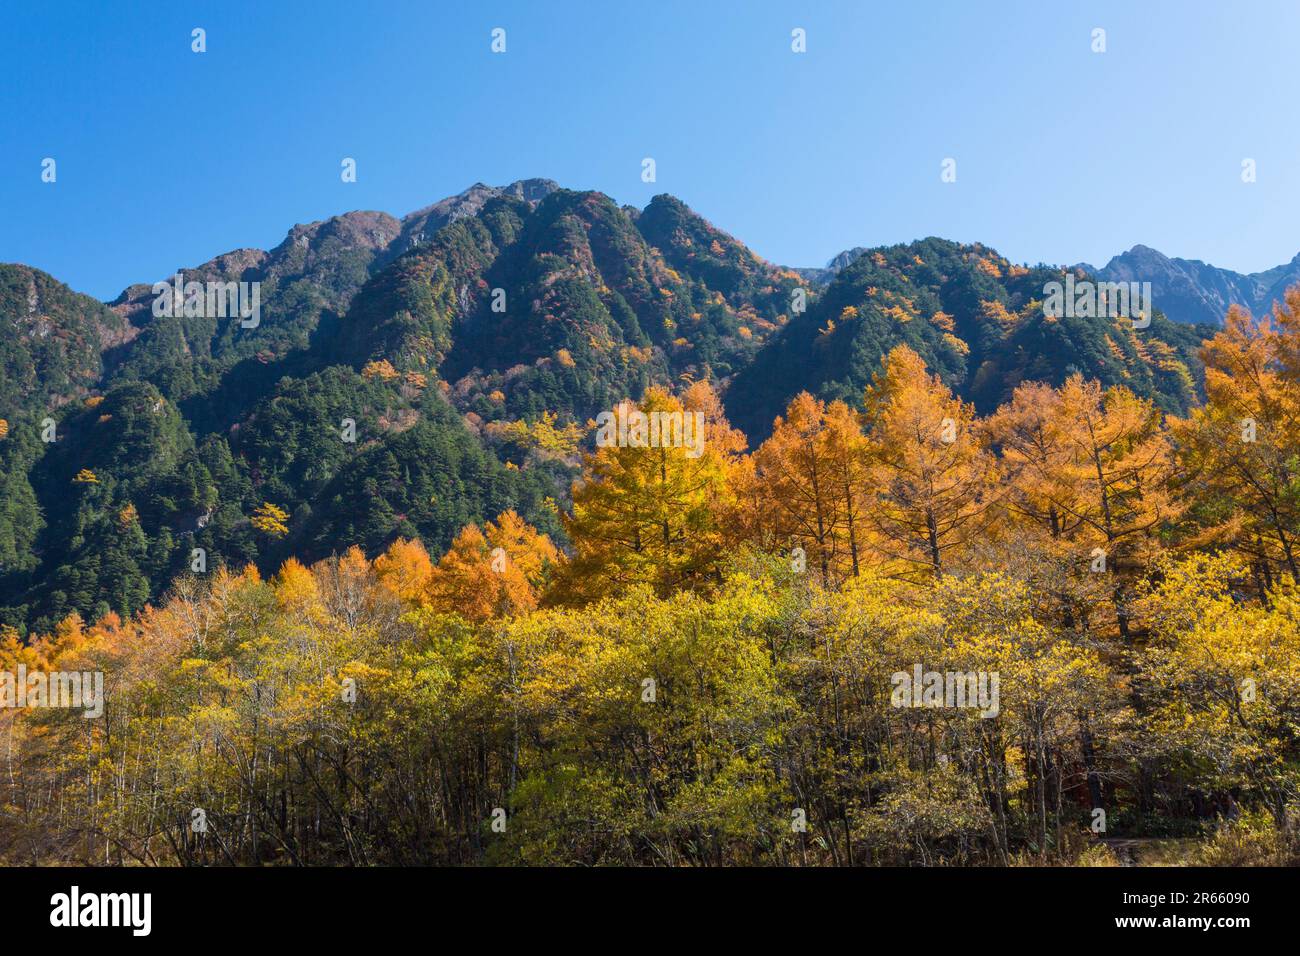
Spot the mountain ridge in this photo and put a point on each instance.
(468, 343)
(1188, 291)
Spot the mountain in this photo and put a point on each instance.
(1187, 291)
(423, 224)
(463, 346)
(1190, 291)
(53, 341)
(977, 320)
(409, 376)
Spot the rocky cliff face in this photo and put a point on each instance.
(420, 226)
(1190, 291)
(52, 340)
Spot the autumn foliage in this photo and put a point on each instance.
(703, 673)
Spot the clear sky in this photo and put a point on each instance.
(166, 158)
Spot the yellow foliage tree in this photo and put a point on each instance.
(405, 569)
(500, 572)
(652, 514)
(933, 478)
(1089, 470)
(270, 519)
(807, 488)
(381, 369)
(1238, 452)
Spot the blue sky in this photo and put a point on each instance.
(167, 158)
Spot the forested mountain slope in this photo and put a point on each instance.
(409, 376)
(977, 320)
